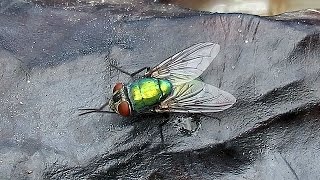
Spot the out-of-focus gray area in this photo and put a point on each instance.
(56, 59)
(257, 7)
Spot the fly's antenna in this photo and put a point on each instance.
(94, 111)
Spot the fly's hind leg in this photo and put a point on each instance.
(130, 74)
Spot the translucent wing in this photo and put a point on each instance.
(187, 64)
(196, 97)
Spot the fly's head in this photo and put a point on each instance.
(119, 102)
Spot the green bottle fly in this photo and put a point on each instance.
(171, 86)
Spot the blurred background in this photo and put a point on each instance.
(258, 7)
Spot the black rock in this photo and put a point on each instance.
(54, 60)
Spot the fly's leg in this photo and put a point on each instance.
(140, 70)
(96, 111)
(121, 70)
(92, 110)
(161, 125)
(130, 74)
(161, 131)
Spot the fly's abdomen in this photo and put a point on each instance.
(147, 92)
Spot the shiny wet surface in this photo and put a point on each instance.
(54, 61)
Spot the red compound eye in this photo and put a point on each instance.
(117, 87)
(124, 109)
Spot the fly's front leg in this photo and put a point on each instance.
(130, 74)
(92, 110)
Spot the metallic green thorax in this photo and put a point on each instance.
(147, 92)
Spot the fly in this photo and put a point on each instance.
(171, 86)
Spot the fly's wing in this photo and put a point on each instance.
(197, 97)
(187, 64)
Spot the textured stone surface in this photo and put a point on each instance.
(55, 60)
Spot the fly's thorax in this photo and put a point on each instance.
(120, 102)
(166, 87)
(147, 92)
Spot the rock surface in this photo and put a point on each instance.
(55, 60)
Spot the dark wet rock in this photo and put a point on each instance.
(55, 60)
